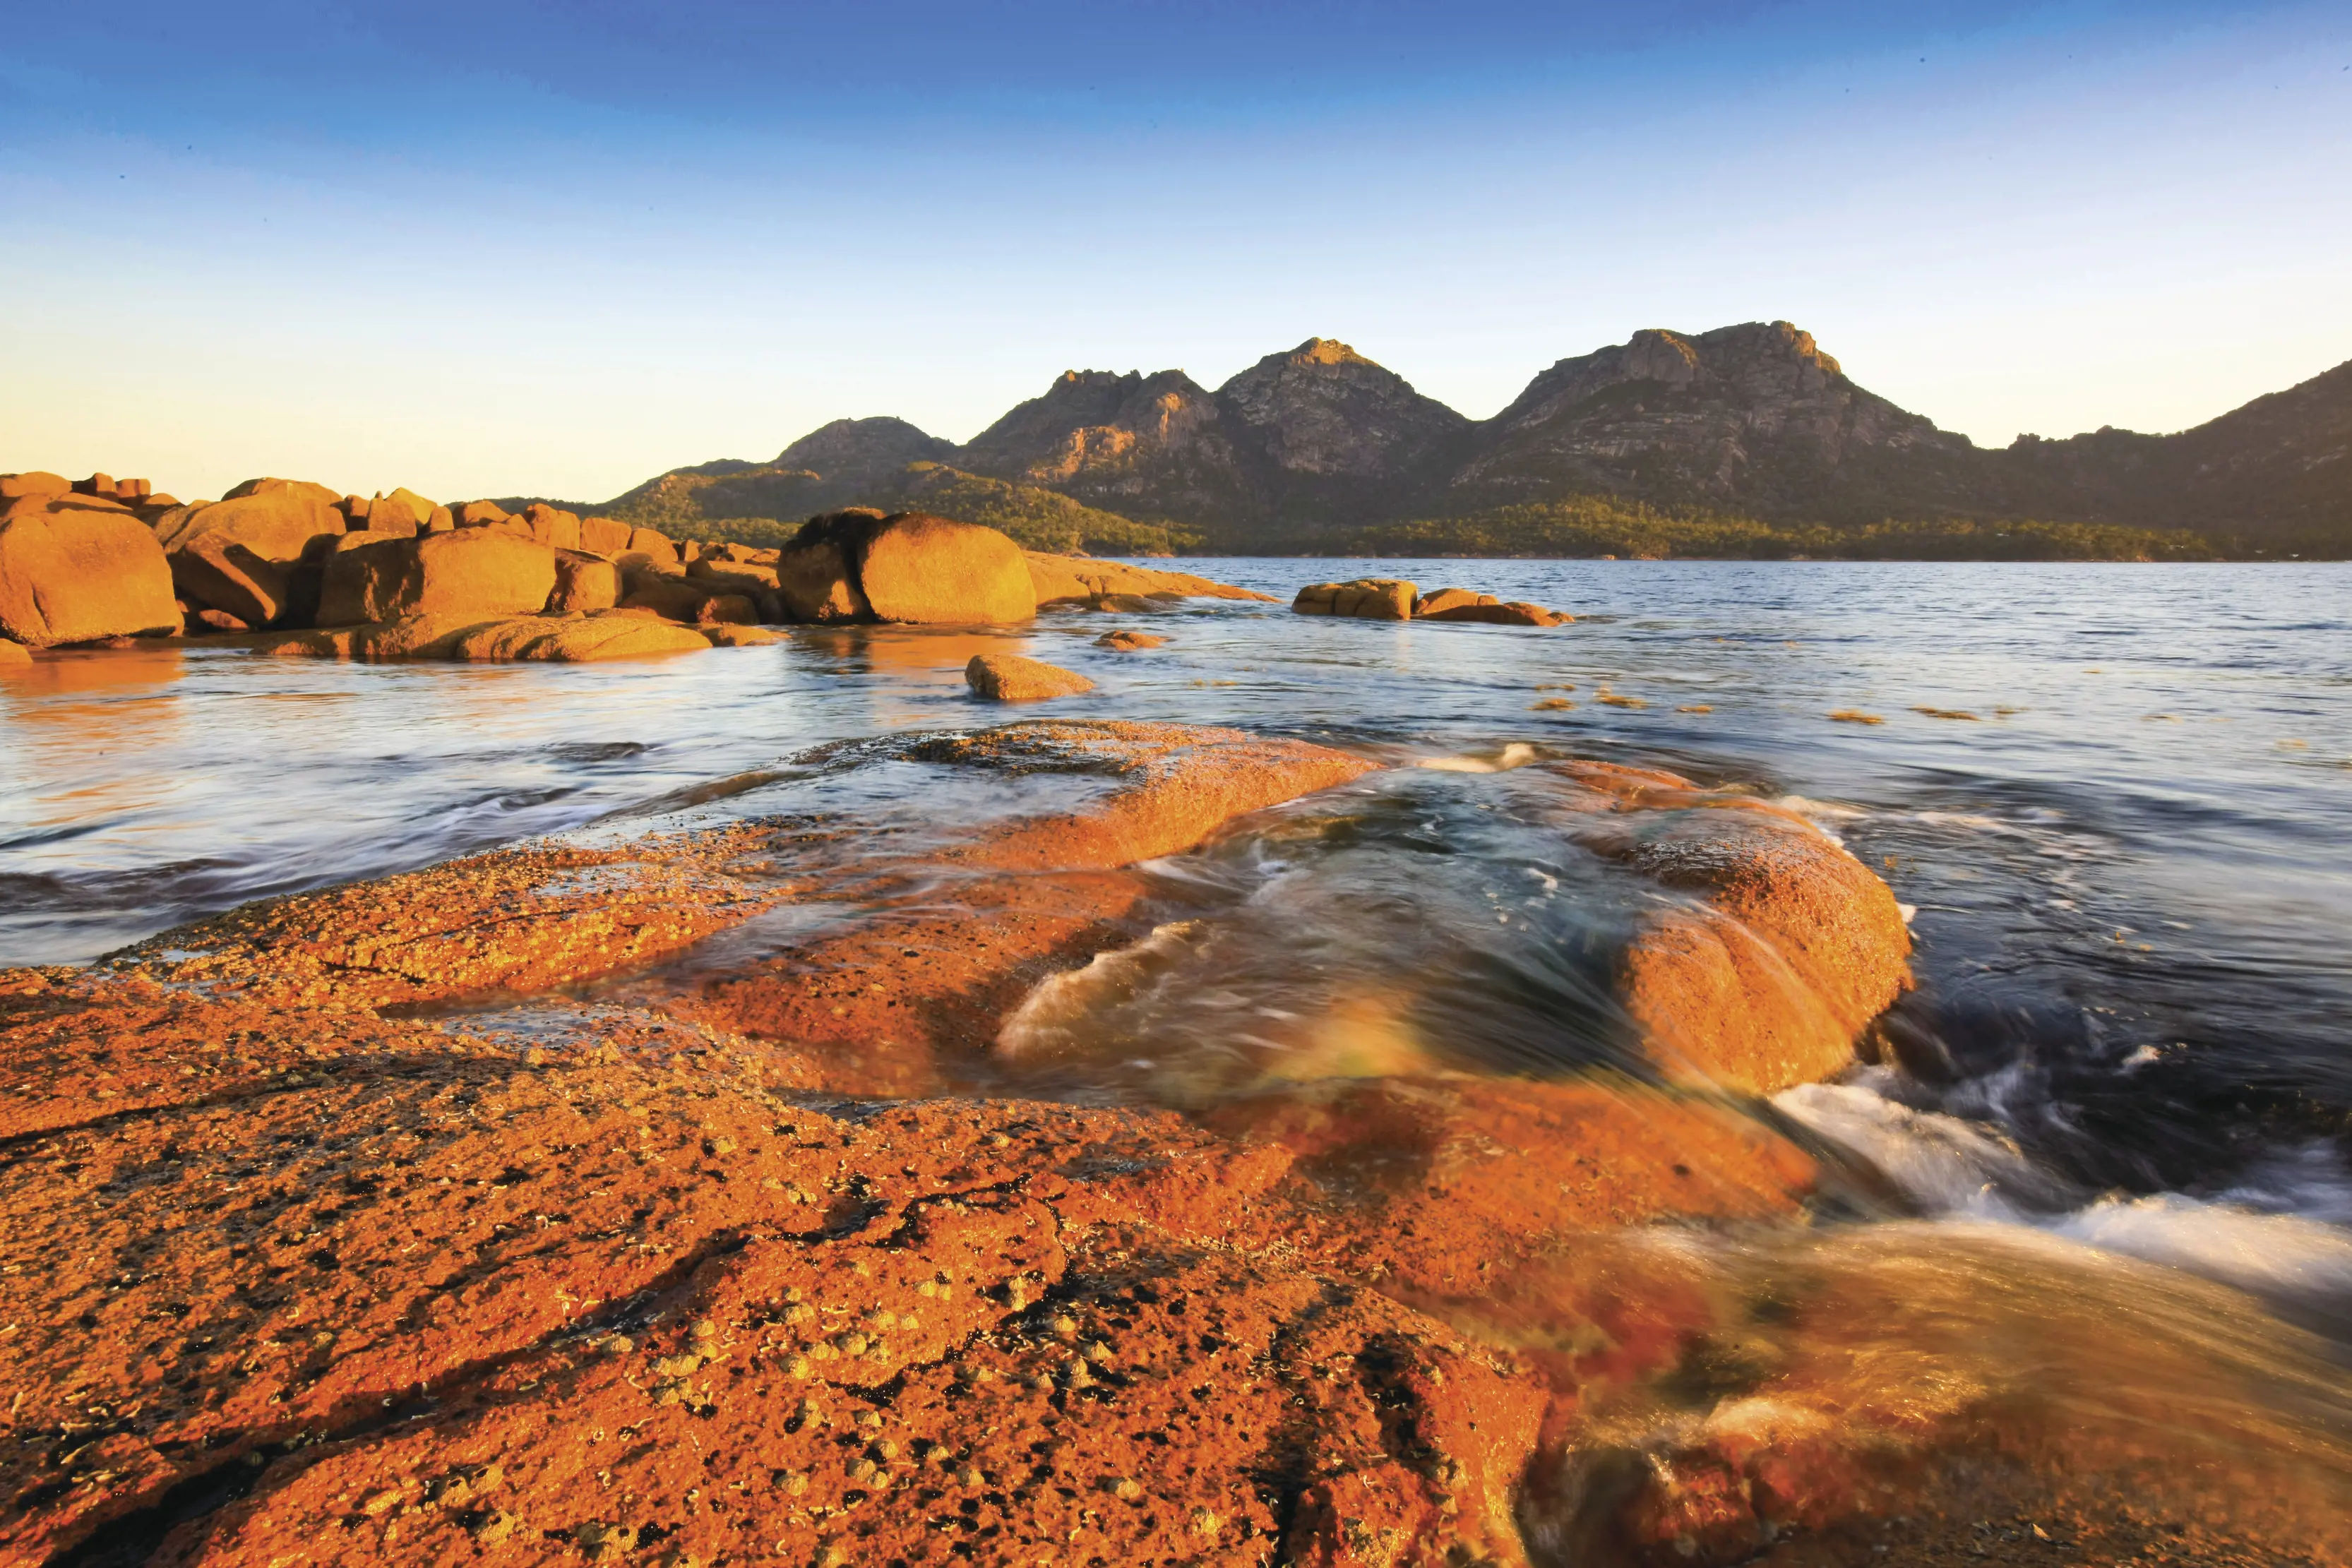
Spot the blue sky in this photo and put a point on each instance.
(504, 247)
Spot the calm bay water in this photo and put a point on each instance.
(2118, 797)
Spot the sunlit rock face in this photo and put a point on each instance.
(1175, 1142)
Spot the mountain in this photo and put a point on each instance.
(1752, 428)
(2277, 472)
(1155, 446)
(1753, 417)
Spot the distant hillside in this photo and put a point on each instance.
(764, 503)
(1740, 440)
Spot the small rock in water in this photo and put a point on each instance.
(1009, 678)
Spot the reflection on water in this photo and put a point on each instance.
(2088, 1209)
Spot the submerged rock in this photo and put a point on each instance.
(1009, 678)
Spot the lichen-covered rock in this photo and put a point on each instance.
(1366, 597)
(73, 570)
(1009, 678)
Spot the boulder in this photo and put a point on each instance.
(675, 599)
(551, 526)
(397, 514)
(927, 570)
(1514, 612)
(654, 543)
(214, 572)
(1442, 599)
(909, 567)
(441, 520)
(276, 524)
(816, 577)
(478, 571)
(73, 570)
(737, 576)
(1781, 950)
(604, 536)
(37, 481)
(1009, 678)
(302, 487)
(1128, 642)
(574, 642)
(478, 514)
(14, 654)
(1366, 597)
(583, 582)
(215, 621)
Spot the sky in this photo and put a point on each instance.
(517, 246)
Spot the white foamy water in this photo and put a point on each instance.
(2281, 1233)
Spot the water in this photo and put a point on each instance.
(2126, 863)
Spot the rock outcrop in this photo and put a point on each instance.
(76, 568)
(738, 1265)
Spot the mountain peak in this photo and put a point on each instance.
(1324, 351)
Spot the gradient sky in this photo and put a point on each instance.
(499, 246)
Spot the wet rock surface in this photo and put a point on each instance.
(558, 1204)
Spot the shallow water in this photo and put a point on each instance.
(2116, 796)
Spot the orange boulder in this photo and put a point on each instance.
(275, 518)
(479, 572)
(74, 569)
(216, 572)
(583, 582)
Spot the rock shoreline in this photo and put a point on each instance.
(726, 1264)
(287, 567)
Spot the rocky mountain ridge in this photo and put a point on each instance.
(1753, 420)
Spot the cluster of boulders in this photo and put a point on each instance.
(1393, 599)
(399, 575)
